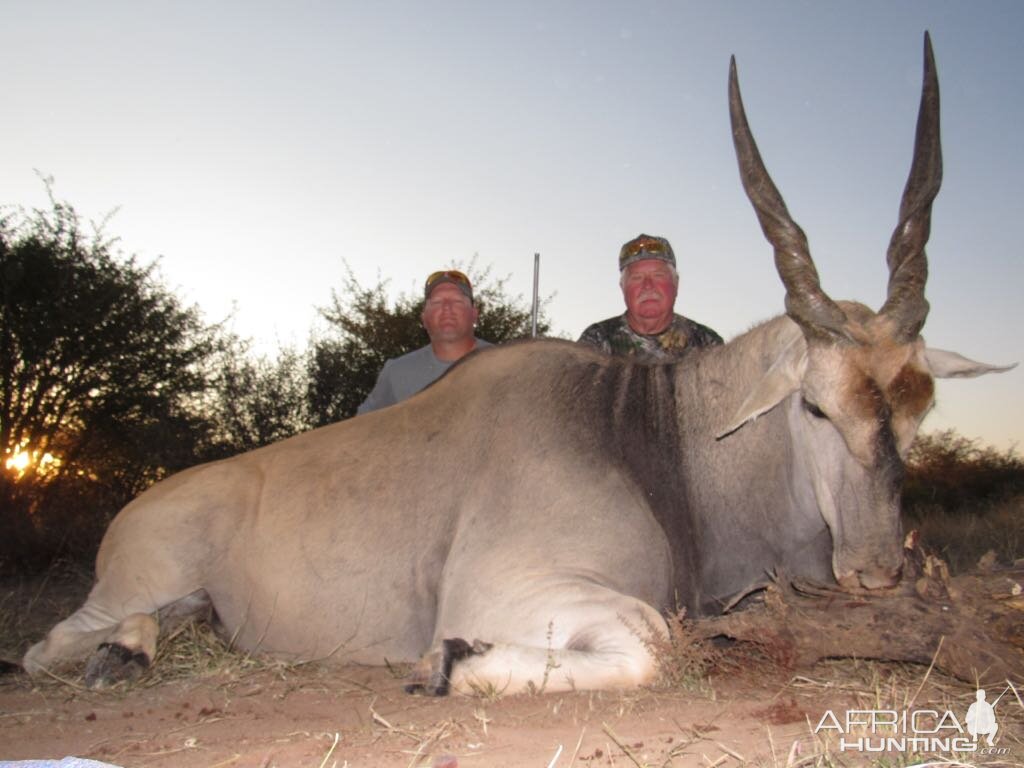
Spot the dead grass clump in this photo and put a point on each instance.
(684, 658)
(195, 650)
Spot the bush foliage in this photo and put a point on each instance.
(954, 473)
(101, 370)
(110, 384)
(966, 499)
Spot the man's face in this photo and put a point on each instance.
(649, 287)
(448, 314)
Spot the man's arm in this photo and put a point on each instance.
(382, 394)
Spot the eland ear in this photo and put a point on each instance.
(949, 365)
(780, 381)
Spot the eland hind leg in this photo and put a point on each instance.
(142, 579)
(152, 570)
(118, 645)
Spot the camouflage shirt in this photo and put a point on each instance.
(614, 336)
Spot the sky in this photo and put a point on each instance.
(258, 150)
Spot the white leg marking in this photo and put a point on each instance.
(616, 654)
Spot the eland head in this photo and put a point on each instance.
(865, 378)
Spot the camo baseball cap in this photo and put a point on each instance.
(453, 276)
(646, 247)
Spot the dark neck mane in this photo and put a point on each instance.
(633, 410)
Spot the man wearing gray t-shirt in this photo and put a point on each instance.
(449, 316)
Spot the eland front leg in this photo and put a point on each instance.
(605, 642)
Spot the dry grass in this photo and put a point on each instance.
(30, 606)
(194, 650)
(684, 658)
(424, 741)
(962, 537)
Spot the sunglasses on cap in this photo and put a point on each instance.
(650, 245)
(453, 276)
(646, 247)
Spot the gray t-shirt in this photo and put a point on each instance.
(402, 377)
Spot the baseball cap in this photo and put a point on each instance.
(453, 276)
(646, 247)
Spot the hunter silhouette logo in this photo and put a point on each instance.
(918, 730)
(981, 717)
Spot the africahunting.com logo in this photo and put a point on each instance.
(922, 731)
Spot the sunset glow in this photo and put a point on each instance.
(20, 461)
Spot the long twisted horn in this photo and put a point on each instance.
(806, 302)
(908, 265)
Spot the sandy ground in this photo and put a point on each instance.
(291, 718)
(321, 716)
(204, 706)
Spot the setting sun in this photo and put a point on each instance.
(20, 461)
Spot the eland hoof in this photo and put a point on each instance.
(432, 675)
(113, 663)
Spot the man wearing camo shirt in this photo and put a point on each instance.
(649, 329)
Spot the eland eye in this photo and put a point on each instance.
(814, 410)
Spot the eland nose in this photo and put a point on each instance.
(880, 577)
